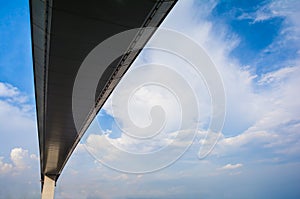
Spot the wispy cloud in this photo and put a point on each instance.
(258, 105)
(262, 123)
(231, 166)
(17, 116)
(11, 93)
(278, 76)
(7, 90)
(19, 163)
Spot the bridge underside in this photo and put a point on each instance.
(63, 33)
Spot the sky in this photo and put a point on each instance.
(255, 47)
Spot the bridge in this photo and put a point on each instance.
(63, 33)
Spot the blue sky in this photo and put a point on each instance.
(255, 46)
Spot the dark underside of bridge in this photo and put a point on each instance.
(63, 34)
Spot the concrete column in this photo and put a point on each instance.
(48, 188)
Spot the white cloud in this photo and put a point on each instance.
(264, 112)
(278, 127)
(7, 90)
(11, 93)
(289, 33)
(18, 128)
(231, 166)
(277, 76)
(34, 157)
(17, 119)
(19, 175)
(272, 9)
(20, 161)
(20, 158)
(237, 141)
(256, 106)
(11, 115)
(5, 167)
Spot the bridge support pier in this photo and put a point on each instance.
(48, 188)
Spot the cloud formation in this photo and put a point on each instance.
(20, 161)
(231, 166)
(17, 119)
(4, 167)
(19, 165)
(262, 124)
